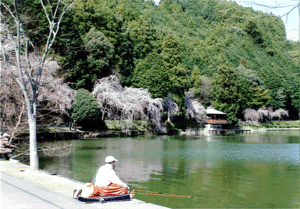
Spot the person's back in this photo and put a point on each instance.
(107, 175)
(107, 182)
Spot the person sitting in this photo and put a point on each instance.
(107, 182)
(5, 146)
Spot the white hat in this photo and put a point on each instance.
(5, 134)
(110, 159)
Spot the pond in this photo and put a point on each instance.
(256, 170)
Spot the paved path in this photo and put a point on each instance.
(21, 187)
(18, 193)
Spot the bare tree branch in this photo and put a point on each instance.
(294, 6)
(29, 76)
(18, 123)
(273, 7)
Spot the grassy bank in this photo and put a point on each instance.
(272, 124)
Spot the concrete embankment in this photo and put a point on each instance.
(22, 187)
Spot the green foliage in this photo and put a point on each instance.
(260, 98)
(169, 124)
(36, 28)
(158, 47)
(277, 99)
(196, 77)
(124, 49)
(143, 36)
(95, 62)
(191, 24)
(226, 93)
(163, 73)
(170, 52)
(151, 74)
(100, 52)
(178, 82)
(252, 30)
(85, 108)
(281, 124)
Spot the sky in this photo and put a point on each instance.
(291, 23)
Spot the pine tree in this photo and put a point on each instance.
(143, 36)
(125, 52)
(151, 74)
(170, 52)
(226, 92)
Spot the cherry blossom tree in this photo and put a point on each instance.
(251, 115)
(264, 113)
(126, 103)
(279, 113)
(55, 98)
(194, 109)
(22, 52)
(12, 105)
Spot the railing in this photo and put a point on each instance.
(217, 121)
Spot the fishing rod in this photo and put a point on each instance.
(142, 192)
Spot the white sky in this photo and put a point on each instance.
(291, 24)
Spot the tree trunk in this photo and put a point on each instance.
(34, 157)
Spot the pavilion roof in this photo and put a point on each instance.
(214, 112)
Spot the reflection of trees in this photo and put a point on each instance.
(83, 161)
(180, 148)
(54, 165)
(182, 164)
(165, 158)
(228, 176)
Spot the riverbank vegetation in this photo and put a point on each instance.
(135, 60)
(272, 124)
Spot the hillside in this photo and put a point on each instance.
(178, 47)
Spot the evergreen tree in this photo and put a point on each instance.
(170, 52)
(100, 54)
(151, 74)
(143, 36)
(226, 93)
(260, 97)
(85, 108)
(171, 56)
(278, 98)
(178, 83)
(201, 86)
(124, 50)
(251, 29)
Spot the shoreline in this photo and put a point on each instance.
(62, 185)
(53, 133)
(275, 129)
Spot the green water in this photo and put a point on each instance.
(257, 170)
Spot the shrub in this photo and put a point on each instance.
(169, 124)
(85, 108)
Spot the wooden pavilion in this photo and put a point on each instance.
(216, 119)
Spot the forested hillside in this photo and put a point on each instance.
(217, 52)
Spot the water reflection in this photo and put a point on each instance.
(247, 170)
